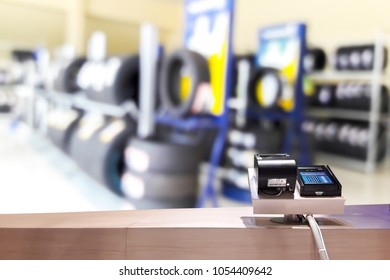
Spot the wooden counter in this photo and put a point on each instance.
(362, 232)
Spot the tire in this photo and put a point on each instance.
(118, 80)
(126, 85)
(199, 71)
(103, 160)
(364, 103)
(159, 186)
(314, 60)
(342, 58)
(5, 109)
(324, 96)
(85, 137)
(66, 81)
(341, 100)
(265, 139)
(147, 156)
(357, 58)
(368, 64)
(61, 127)
(260, 99)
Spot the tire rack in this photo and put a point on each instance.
(295, 117)
(79, 101)
(376, 77)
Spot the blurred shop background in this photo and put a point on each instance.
(125, 104)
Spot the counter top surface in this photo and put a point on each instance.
(359, 216)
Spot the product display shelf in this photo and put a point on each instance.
(340, 76)
(376, 77)
(80, 101)
(346, 114)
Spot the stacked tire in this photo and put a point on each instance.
(98, 142)
(112, 81)
(65, 76)
(349, 139)
(358, 58)
(98, 146)
(348, 95)
(242, 144)
(162, 170)
(161, 174)
(324, 95)
(314, 60)
(358, 96)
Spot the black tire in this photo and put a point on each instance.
(124, 85)
(103, 160)
(266, 138)
(324, 95)
(62, 129)
(258, 75)
(363, 53)
(369, 65)
(341, 100)
(355, 60)
(5, 109)
(66, 81)
(169, 85)
(159, 186)
(365, 102)
(85, 137)
(314, 60)
(147, 156)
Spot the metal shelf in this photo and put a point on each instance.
(347, 114)
(339, 76)
(80, 101)
(376, 77)
(118, 111)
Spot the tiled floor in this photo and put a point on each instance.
(36, 177)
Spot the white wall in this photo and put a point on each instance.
(329, 22)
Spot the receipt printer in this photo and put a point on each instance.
(276, 173)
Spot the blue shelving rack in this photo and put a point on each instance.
(282, 35)
(218, 121)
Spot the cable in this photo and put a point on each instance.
(318, 237)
